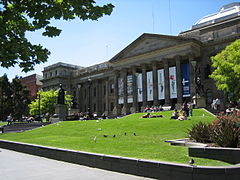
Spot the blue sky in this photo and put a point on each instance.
(86, 43)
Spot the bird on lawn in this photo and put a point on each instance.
(191, 162)
(114, 135)
(105, 135)
(125, 133)
(134, 134)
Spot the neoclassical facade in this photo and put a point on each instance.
(152, 70)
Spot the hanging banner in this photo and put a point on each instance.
(130, 89)
(173, 82)
(185, 80)
(150, 86)
(120, 91)
(161, 92)
(139, 87)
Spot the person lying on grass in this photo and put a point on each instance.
(151, 116)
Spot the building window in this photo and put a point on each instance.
(112, 106)
(104, 106)
(209, 96)
(50, 74)
(104, 90)
(112, 88)
(207, 71)
(94, 108)
(56, 72)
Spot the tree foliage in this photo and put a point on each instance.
(48, 101)
(20, 98)
(227, 69)
(5, 97)
(20, 16)
(14, 98)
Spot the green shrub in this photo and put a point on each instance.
(225, 130)
(200, 132)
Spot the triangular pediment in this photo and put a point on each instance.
(147, 43)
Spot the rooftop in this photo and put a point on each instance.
(226, 12)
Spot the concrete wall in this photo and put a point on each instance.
(229, 155)
(153, 169)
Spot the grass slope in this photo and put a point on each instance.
(147, 144)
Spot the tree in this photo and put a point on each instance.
(20, 16)
(20, 98)
(14, 98)
(227, 69)
(48, 101)
(5, 97)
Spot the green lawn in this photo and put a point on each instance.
(147, 144)
(3, 123)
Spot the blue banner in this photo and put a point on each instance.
(185, 80)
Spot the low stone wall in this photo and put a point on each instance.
(139, 167)
(229, 155)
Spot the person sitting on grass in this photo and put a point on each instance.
(146, 115)
(175, 114)
(182, 115)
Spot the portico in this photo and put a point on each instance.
(154, 77)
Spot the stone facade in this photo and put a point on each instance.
(154, 69)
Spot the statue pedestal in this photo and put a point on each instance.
(61, 111)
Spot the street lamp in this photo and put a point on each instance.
(39, 106)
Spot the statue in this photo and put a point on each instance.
(61, 95)
(199, 86)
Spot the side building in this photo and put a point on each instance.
(59, 73)
(33, 83)
(154, 69)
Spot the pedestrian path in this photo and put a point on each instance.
(19, 166)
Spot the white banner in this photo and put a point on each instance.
(150, 86)
(139, 87)
(161, 91)
(120, 91)
(130, 89)
(173, 82)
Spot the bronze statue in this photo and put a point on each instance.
(61, 95)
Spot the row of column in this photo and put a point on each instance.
(126, 109)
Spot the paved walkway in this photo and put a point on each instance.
(19, 166)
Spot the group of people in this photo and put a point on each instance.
(232, 107)
(88, 116)
(153, 109)
(186, 110)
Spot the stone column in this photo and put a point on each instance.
(179, 81)
(125, 109)
(116, 106)
(192, 67)
(106, 112)
(155, 84)
(167, 89)
(134, 108)
(144, 86)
